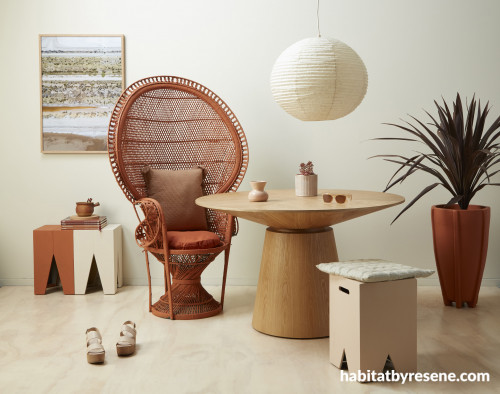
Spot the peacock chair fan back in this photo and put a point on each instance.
(173, 123)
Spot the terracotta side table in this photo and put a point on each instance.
(292, 295)
(73, 252)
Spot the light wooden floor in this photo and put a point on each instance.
(42, 347)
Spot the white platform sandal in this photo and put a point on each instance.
(126, 344)
(95, 351)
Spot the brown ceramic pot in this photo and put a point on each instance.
(460, 247)
(85, 208)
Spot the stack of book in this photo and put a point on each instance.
(84, 223)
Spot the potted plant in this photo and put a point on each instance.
(462, 155)
(306, 182)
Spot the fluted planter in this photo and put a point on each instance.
(460, 247)
(306, 185)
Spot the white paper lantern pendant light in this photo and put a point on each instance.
(319, 79)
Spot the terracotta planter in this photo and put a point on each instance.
(460, 247)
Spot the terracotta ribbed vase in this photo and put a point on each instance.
(460, 247)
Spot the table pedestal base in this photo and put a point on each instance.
(292, 294)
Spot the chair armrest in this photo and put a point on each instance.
(221, 224)
(150, 231)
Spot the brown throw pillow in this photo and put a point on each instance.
(176, 192)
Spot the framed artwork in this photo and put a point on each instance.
(81, 79)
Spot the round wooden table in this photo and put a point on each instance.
(292, 294)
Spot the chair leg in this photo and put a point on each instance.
(165, 279)
(226, 261)
(168, 285)
(149, 280)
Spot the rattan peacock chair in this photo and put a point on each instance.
(173, 123)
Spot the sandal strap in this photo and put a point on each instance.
(127, 330)
(95, 347)
(126, 340)
(129, 322)
(93, 335)
(129, 326)
(128, 333)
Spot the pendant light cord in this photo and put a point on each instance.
(317, 18)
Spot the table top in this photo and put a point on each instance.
(284, 210)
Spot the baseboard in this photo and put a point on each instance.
(16, 282)
(217, 282)
(143, 282)
(205, 282)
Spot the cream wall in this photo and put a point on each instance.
(415, 51)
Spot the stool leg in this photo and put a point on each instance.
(105, 260)
(405, 361)
(42, 259)
(63, 253)
(84, 253)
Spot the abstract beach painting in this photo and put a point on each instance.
(81, 81)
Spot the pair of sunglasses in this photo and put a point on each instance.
(339, 198)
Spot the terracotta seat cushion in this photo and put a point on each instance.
(192, 240)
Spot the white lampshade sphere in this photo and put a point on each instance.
(319, 79)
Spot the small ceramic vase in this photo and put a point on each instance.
(258, 194)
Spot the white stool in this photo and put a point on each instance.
(106, 247)
(373, 317)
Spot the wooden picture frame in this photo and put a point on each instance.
(81, 79)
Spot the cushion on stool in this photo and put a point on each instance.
(192, 240)
(372, 270)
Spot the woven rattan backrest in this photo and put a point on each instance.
(173, 123)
